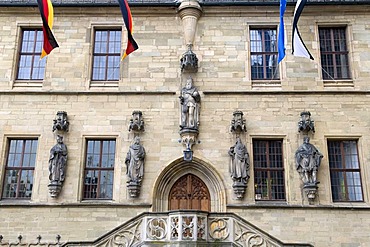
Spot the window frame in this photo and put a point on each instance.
(344, 170)
(34, 55)
(276, 79)
(105, 81)
(19, 168)
(331, 28)
(84, 173)
(268, 169)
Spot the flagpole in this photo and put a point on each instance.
(326, 72)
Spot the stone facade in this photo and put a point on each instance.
(151, 81)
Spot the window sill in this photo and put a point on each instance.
(338, 83)
(263, 84)
(28, 83)
(106, 84)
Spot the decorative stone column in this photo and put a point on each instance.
(189, 11)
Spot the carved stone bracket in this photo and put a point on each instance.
(54, 188)
(188, 139)
(310, 190)
(306, 124)
(239, 189)
(134, 189)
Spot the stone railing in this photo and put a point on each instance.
(186, 228)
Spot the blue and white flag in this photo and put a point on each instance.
(281, 41)
(299, 49)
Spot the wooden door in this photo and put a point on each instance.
(189, 192)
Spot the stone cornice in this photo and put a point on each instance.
(93, 3)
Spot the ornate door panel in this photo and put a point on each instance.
(189, 192)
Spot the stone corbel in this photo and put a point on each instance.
(310, 190)
(188, 139)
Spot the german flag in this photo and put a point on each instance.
(47, 16)
(127, 18)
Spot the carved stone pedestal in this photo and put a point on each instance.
(239, 189)
(134, 189)
(188, 139)
(54, 188)
(310, 190)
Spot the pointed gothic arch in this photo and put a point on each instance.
(198, 167)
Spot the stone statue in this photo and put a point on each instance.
(189, 100)
(308, 160)
(58, 161)
(135, 162)
(239, 166)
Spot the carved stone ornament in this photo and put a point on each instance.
(188, 139)
(311, 191)
(239, 167)
(135, 167)
(238, 122)
(57, 166)
(239, 190)
(61, 122)
(189, 12)
(136, 122)
(189, 61)
(306, 124)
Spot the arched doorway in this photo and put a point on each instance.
(178, 168)
(189, 192)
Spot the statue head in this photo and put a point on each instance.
(189, 83)
(59, 139)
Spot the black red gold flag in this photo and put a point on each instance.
(47, 16)
(127, 18)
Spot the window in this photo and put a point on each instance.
(345, 173)
(106, 55)
(19, 169)
(99, 169)
(30, 67)
(334, 53)
(263, 54)
(268, 170)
